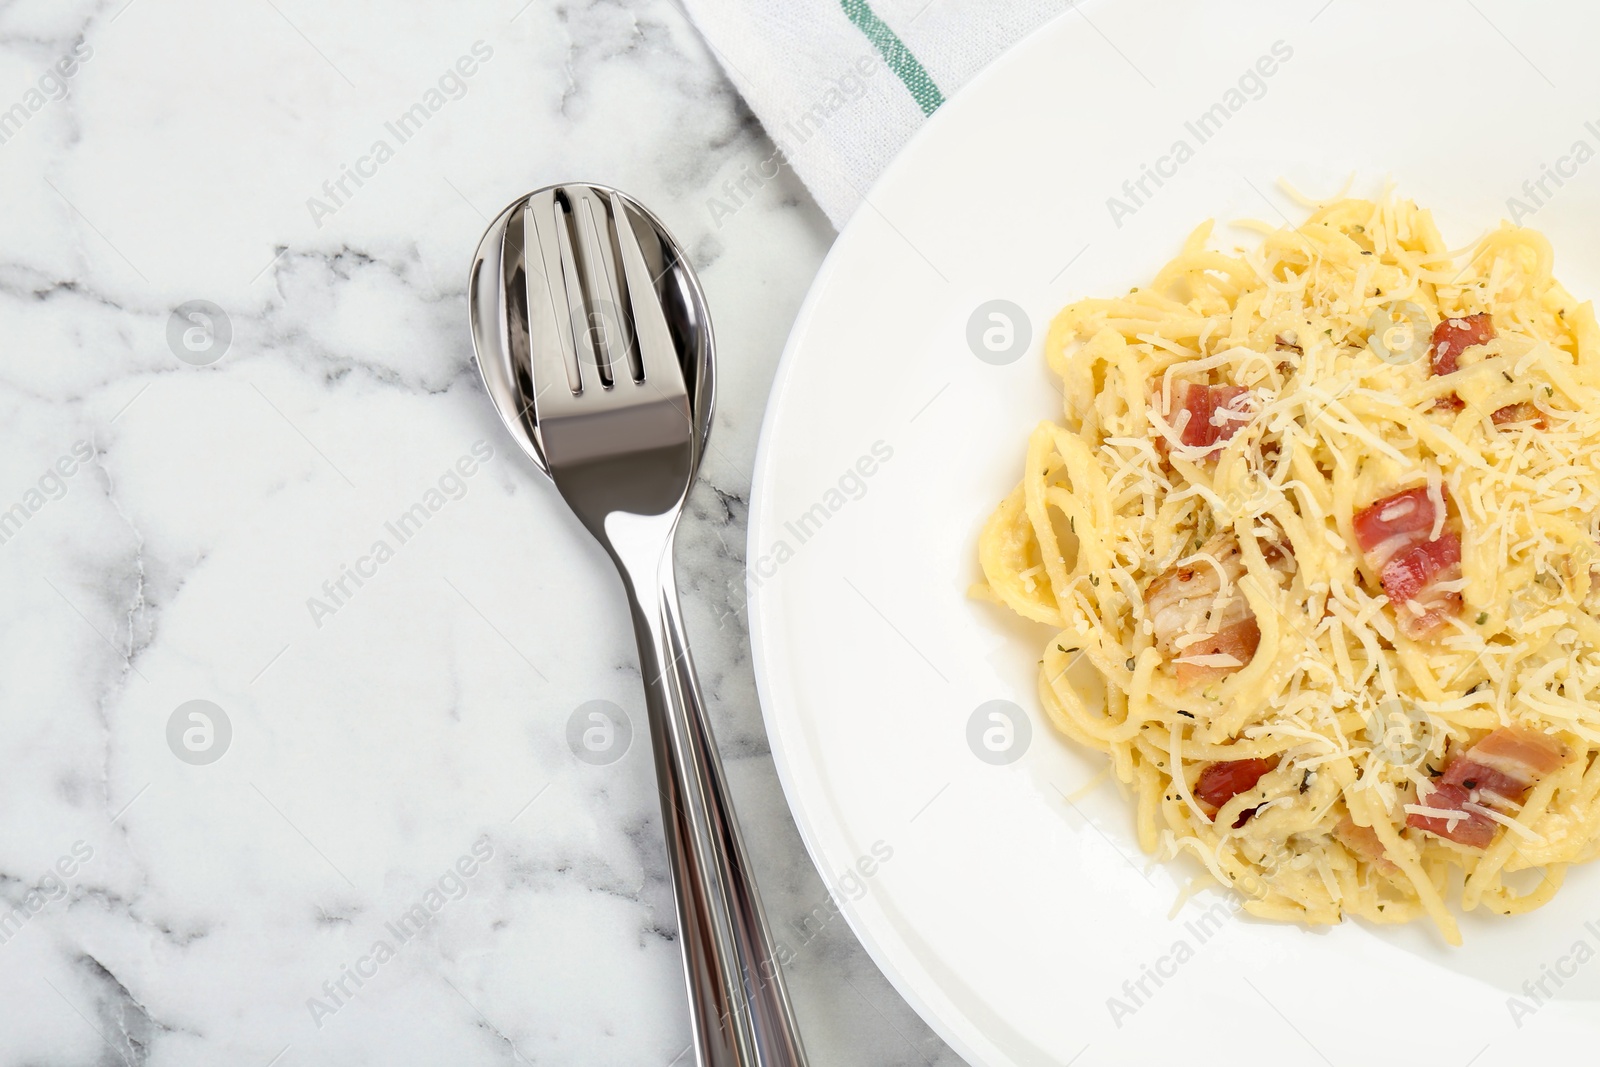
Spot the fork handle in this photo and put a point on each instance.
(741, 1012)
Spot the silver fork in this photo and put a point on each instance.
(592, 338)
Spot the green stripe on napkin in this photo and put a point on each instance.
(896, 54)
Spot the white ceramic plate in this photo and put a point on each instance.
(1006, 914)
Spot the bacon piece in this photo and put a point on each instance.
(1206, 416)
(1466, 772)
(1364, 842)
(1197, 611)
(1411, 581)
(1221, 782)
(1454, 336)
(1385, 526)
(1523, 412)
(1471, 828)
(1395, 536)
(1189, 413)
(1518, 755)
(1238, 640)
(1504, 766)
(1411, 570)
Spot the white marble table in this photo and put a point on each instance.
(397, 859)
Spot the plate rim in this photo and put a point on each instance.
(960, 1040)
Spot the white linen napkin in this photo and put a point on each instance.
(840, 85)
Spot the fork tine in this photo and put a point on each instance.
(576, 310)
(603, 317)
(549, 295)
(658, 357)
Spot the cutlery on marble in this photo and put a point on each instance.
(592, 336)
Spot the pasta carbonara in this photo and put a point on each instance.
(1316, 535)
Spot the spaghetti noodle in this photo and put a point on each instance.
(1319, 521)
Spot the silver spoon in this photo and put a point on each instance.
(593, 340)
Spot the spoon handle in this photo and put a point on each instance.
(741, 1011)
